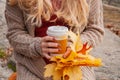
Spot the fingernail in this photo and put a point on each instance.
(58, 45)
(64, 56)
(59, 49)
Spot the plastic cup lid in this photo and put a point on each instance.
(57, 30)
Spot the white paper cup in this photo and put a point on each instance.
(60, 34)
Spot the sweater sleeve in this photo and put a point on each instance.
(18, 35)
(94, 31)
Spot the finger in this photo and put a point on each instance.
(46, 56)
(48, 38)
(67, 53)
(50, 50)
(50, 44)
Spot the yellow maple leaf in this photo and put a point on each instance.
(77, 44)
(87, 60)
(51, 71)
(72, 73)
(57, 75)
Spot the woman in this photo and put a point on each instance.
(28, 21)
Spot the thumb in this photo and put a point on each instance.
(67, 53)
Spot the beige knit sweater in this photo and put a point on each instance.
(27, 51)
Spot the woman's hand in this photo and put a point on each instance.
(48, 45)
(67, 53)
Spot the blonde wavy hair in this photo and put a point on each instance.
(73, 12)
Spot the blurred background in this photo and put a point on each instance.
(108, 50)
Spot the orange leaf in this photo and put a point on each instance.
(85, 49)
(13, 76)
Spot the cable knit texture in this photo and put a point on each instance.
(27, 52)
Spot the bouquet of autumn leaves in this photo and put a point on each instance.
(70, 68)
